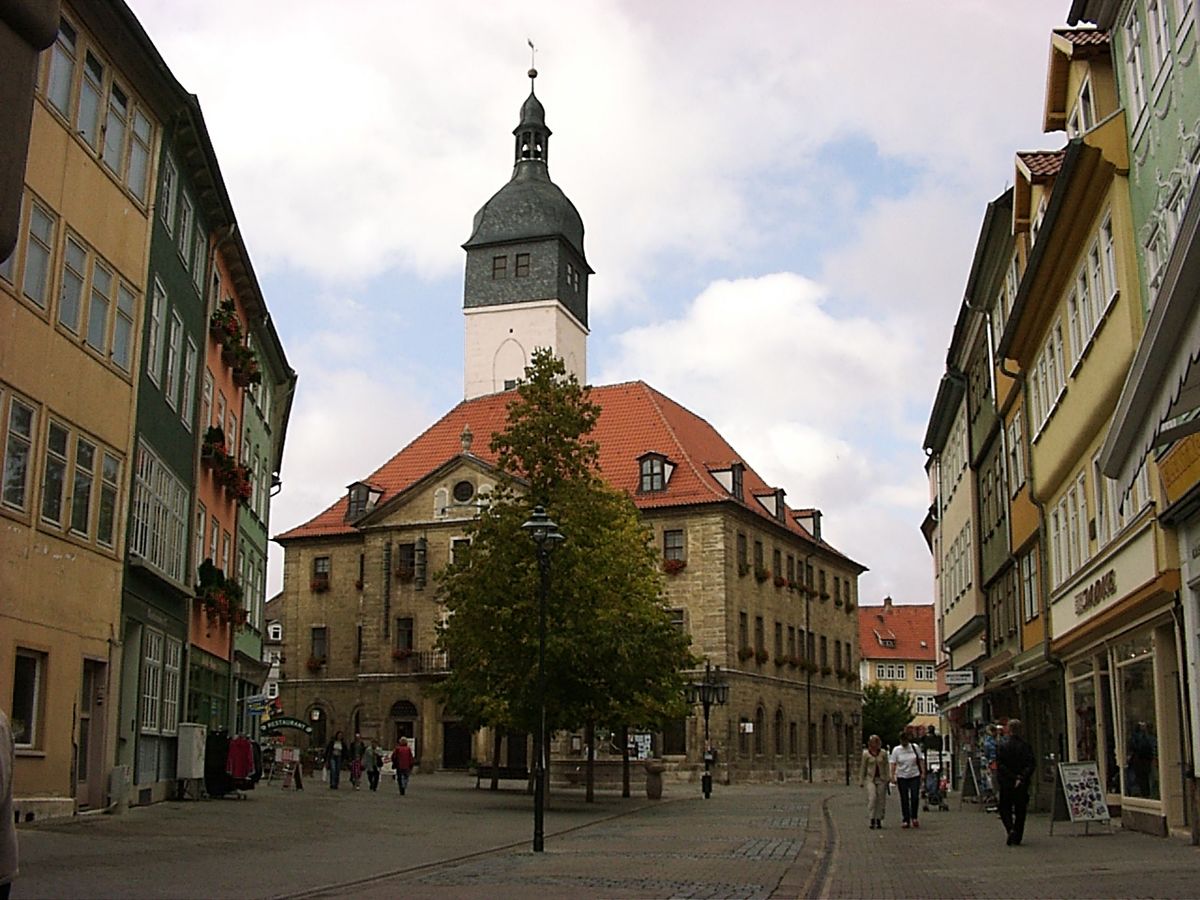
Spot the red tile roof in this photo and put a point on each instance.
(1085, 37)
(634, 419)
(907, 624)
(1042, 163)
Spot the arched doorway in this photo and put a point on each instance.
(404, 718)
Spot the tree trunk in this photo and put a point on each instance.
(496, 759)
(591, 762)
(624, 760)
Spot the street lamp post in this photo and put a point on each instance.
(545, 537)
(709, 692)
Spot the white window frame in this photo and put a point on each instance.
(188, 391)
(174, 357)
(154, 333)
(1135, 77)
(34, 726)
(17, 450)
(160, 516)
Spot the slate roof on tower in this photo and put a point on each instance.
(635, 419)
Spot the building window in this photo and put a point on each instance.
(759, 558)
(70, 293)
(1016, 453)
(760, 637)
(459, 550)
(99, 306)
(160, 508)
(174, 355)
(652, 474)
(1135, 83)
(499, 267)
(319, 643)
(87, 120)
(924, 672)
(62, 69)
(743, 559)
(778, 640)
(54, 475)
(29, 673)
(824, 652)
(777, 563)
(673, 544)
(404, 634)
(406, 561)
(188, 384)
(83, 477)
(275, 632)
(187, 216)
(679, 620)
(1029, 585)
(743, 631)
(35, 283)
(18, 448)
(320, 574)
(154, 334)
(521, 270)
(1047, 382)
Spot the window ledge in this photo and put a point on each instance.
(29, 752)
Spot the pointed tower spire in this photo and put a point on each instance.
(532, 134)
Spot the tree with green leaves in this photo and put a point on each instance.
(612, 655)
(886, 712)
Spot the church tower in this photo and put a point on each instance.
(526, 275)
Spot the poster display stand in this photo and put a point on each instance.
(970, 784)
(1079, 796)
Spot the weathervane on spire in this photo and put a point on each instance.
(532, 62)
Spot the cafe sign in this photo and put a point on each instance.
(1097, 592)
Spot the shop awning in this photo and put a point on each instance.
(958, 698)
(1163, 383)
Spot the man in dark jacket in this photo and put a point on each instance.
(1015, 765)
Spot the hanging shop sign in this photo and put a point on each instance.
(960, 677)
(281, 722)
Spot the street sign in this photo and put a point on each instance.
(960, 676)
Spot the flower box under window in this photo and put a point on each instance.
(674, 566)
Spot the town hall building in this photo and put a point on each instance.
(750, 579)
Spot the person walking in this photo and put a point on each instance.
(874, 774)
(1015, 765)
(371, 764)
(8, 828)
(336, 752)
(357, 751)
(908, 768)
(402, 762)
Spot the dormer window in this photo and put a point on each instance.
(656, 472)
(361, 499)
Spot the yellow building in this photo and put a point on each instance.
(1111, 573)
(898, 648)
(71, 297)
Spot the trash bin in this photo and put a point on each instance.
(654, 779)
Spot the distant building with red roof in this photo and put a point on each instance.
(897, 644)
(751, 579)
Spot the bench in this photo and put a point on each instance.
(503, 773)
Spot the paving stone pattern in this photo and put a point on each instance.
(446, 839)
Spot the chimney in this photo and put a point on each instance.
(816, 522)
(887, 604)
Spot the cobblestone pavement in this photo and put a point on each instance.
(445, 839)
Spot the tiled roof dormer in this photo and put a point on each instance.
(361, 498)
(731, 479)
(654, 472)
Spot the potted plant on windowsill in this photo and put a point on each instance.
(315, 663)
(319, 585)
(405, 574)
(761, 656)
(674, 566)
(744, 653)
(780, 581)
(761, 575)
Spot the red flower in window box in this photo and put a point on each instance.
(762, 656)
(319, 585)
(315, 663)
(674, 566)
(780, 581)
(745, 653)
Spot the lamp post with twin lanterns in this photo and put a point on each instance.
(545, 535)
(709, 692)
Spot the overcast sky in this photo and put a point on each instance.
(781, 203)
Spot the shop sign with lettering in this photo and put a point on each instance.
(1097, 592)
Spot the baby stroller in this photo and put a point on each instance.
(935, 789)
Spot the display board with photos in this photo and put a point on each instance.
(1084, 792)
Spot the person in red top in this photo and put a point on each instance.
(402, 762)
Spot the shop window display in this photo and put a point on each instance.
(1140, 727)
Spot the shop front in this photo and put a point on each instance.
(1123, 685)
